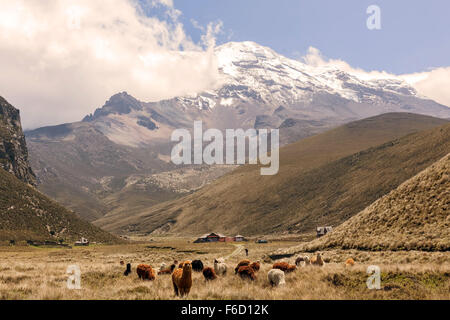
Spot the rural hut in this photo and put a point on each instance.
(222, 238)
(202, 239)
(211, 237)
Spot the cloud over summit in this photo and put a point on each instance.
(433, 83)
(62, 59)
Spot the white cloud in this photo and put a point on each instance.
(61, 59)
(433, 84)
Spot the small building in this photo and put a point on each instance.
(239, 238)
(222, 238)
(202, 239)
(218, 237)
(82, 242)
(211, 237)
(321, 231)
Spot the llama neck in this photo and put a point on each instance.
(186, 274)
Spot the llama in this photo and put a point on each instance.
(220, 267)
(197, 265)
(304, 261)
(166, 270)
(246, 272)
(209, 274)
(349, 262)
(284, 266)
(128, 271)
(276, 277)
(241, 264)
(182, 279)
(255, 266)
(317, 260)
(145, 272)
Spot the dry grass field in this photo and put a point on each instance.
(40, 273)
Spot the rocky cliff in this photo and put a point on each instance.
(13, 149)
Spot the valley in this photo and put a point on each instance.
(323, 180)
(366, 159)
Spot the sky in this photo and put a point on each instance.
(62, 59)
(414, 35)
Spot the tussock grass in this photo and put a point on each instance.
(415, 216)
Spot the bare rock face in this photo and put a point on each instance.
(13, 149)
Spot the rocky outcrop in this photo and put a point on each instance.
(13, 149)
(121, 103)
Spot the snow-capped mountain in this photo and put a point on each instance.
(253, 72)
(279, 80)
(258, 89)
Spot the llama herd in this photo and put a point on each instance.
(181, 273)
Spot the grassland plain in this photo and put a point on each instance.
(36, 273)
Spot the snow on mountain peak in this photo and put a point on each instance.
(256, 81)
(280, 80)
(252, 73)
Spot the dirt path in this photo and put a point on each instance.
(239, 249)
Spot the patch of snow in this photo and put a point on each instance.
(227, 102)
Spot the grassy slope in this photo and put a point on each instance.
(313, 185)
(415, 216)
(25, 214)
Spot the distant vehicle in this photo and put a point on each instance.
(321, 231)
(82, 242)
(262, 241)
